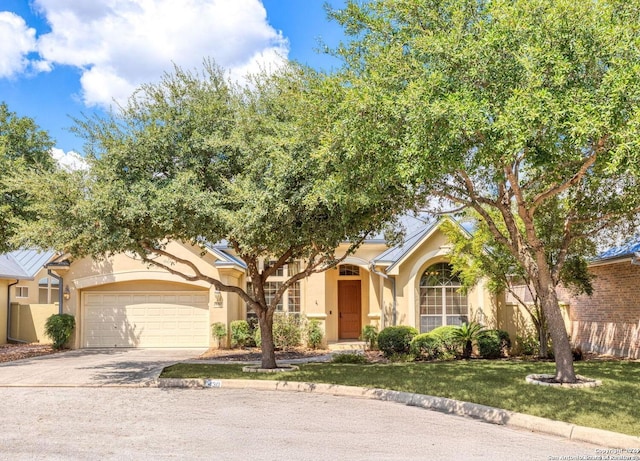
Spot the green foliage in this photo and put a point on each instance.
(396, 340)
(527, 344)
(240, 333)
(466, 335)
(219, 332)
(503, 108)
(427, 346)
(59, 327)
(370, 336)
(314, 333)
(349, 358)
(493, 344)
(24, 151)
(287, 332)
(450, 344)
(197, 158)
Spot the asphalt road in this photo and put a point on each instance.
(46, 423)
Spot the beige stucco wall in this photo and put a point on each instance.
(434, 249)
(3, 310)
(28, 320)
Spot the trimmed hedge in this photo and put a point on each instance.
(426, 346)
(493, 344)
(396, 340)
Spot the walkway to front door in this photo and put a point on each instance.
(349, 309)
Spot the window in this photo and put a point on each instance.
(349, 269)
(47, 290)
(441, 300)
(289, 303)
(22, 292)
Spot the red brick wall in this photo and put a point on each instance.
(608, 322)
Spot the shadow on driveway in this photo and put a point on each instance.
(93, 368)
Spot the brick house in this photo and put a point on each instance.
(608, 322)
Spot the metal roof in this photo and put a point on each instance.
(626, 250)
(23, 264)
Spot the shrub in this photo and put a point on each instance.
(450, 346)
(370, 336)
(528, 344)
(219, 332)
(349, 358)
(426, 346)
(493, 344)
(314, 334)
(287, 332)
(59, 327)
(396, 340)
(240, 333)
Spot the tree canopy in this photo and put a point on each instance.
(196, 158)
(23, 146)
(520, 110)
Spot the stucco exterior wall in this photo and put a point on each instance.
(608, 322)
(28, 320)
(435, 249)
(3, 310)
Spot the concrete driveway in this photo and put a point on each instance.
(93, 367)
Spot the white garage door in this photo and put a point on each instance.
(168, 319)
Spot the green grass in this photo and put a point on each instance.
(613, 406)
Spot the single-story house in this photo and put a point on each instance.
(608, 322)
(122, 302)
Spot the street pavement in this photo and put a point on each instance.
(105, 404)
(246, 424)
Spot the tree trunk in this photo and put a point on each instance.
(265, 320)
(543, 338)
(565, 372)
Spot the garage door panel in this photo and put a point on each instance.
(145, 320)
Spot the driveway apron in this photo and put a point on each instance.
(93, 368)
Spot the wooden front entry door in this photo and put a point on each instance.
(349, 309)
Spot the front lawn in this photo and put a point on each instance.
(613, 406)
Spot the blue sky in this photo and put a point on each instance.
(60, 59)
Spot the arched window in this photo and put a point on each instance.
(441, 301)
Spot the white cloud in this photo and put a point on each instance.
(120, 44)
(17, 41)
(70, 161)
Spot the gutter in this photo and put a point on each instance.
(9, 338)
(393, 290)
(60, 289)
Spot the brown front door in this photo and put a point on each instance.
(349, 309)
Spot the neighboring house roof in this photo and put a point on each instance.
(23, 264)
(627, 250)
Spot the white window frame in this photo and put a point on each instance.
(22, 291)
(449, 288)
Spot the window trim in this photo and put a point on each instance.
(448, 285)
(22, 291)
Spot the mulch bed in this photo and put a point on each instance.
(11, 352)
(252, 354)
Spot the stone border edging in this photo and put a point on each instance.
(488, 414)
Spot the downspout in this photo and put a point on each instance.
(393, 291)
(9, 338)
(60, 289)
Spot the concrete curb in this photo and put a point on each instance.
(488, 414)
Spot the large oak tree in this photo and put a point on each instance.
(512, 106)
(195, 158)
